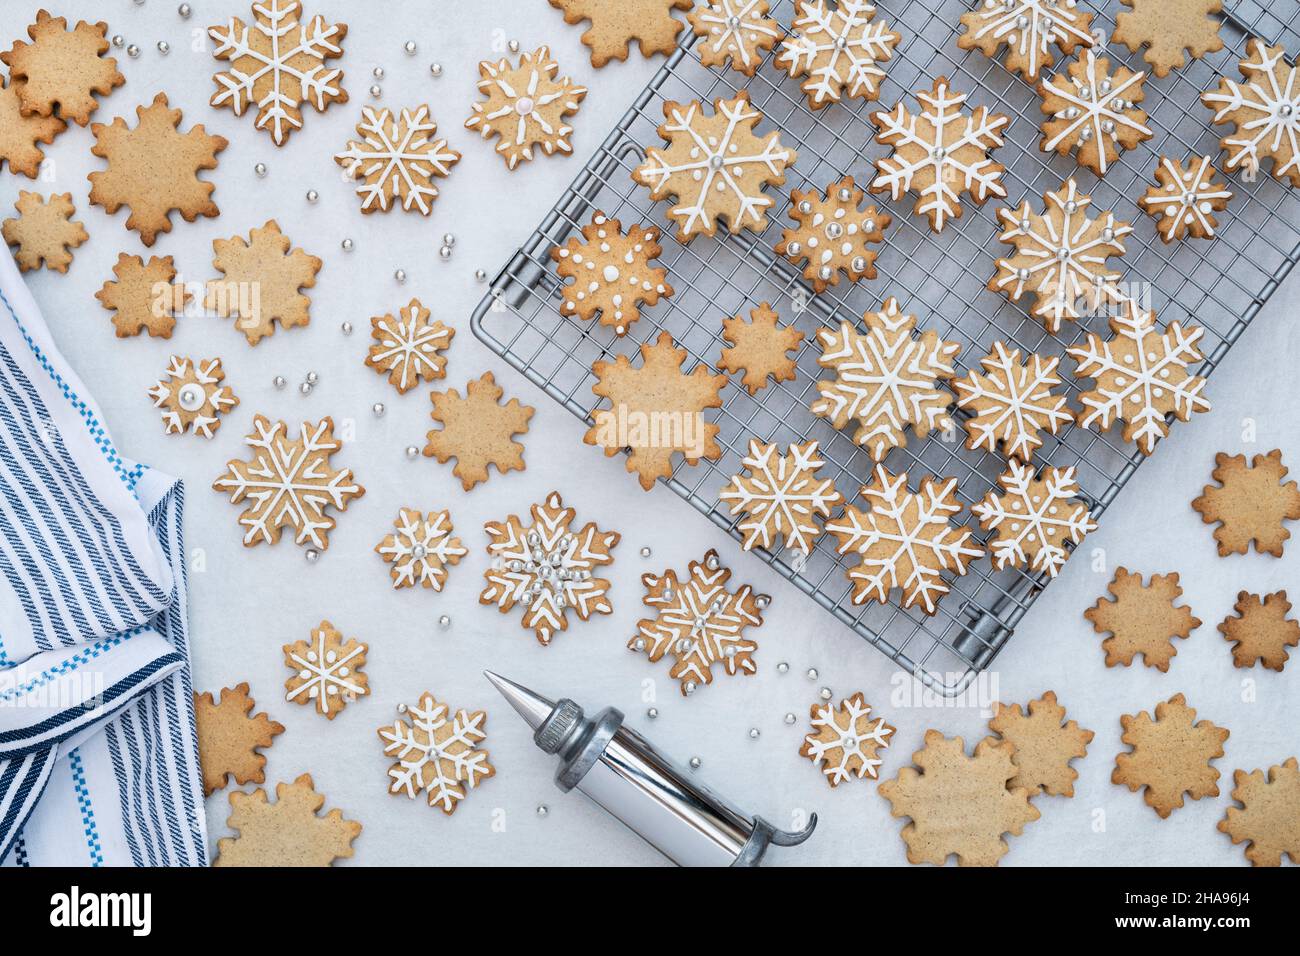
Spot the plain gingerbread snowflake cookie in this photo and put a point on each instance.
(44, 232)
(289, 832)
(1171, 756)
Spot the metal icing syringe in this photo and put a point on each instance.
(621, 771)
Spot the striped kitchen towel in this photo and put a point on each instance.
(98, 755)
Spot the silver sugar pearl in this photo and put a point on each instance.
(278, 381)
(834, 230)
(542, 810)
(312, 196)
(191, 397)
(410, 47)
(444, 253)
(825, 693)
(811, 673)
(312, 378)
(711, 562)
(805, 207)
(346, 245)
(513, 46)
(133, 51)
(444, 622)
(825, 273)
(260, 170)
(412, 451)
(164, 47)
(762, 601)
(789, 718)
(696, 763)
(378, 409)
(782, 667)
(448, 239)
(646, 552)
(652, 713)
(184, 11)
(311, 554)
(845, 194)
(118, 40)
(859, 264)
(480, 275)
(753, 733)
(305, 388)
(688, 688)
(376, 91)
(435, 69)
(400, 275)
(346, 328)
(378, 72)
(792, 249)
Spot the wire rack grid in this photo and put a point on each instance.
(1219, 285)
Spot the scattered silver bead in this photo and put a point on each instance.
(412, 451)
(133, 51)
(260, 170)
(444, 622)
(378, 409)
(410, 47)
(312, 378)
(312, 196)
(513, 45)
(311, 554)
(278, 381)
(444, 253)
(346, 245)
(305, 388)
(448, 239)
(652, 712)
(164, 47)
(117, 40)
(782, 667)
(689, 688)
(646, 552)
(400, 275)
(184, 11)
(812, 673)
(762, 601)
(754, 733)
(346, 328)
(790, 718)
(435, 69)
(825, 693)
(696, 763)
(543, 809)
(480, 275)
(378, 72)
(376, 91)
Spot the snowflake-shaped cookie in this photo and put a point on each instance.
(289, 483)
(837, 50)
(477, 430)
(735, 33)
(277, 63)
(1251, 503)
(1168, 28)
(436, 753)
(397, 160)
(1269, 816)
(715, 167)
(1185, 198)
(656, 410)
(781, 497)
(263, 282)
(192, 397)
(326, 671)
(1012, 402)
(409, 346)
(44, 233)
(1093, 111)
(616, 23)
(1140, 376)
(760, 348)
(420, 549)
(61, 70)
(939, 153)
(1060, 256)
(611, 272)
(832, 235)
(20, 135)
(286, 833)
(905, 541)
(1028, 29)
(1171, 755)
(1264, 111)
(144, 296)
(1035, 519)
(885, 380)
(1142, 619)
(525, 106)
(959, 804)
(230, 737)
(845, 741)
(699, 623)
(1260, 632)
(547, 568)
(1045, 743)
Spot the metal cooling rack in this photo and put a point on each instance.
(1220, 284)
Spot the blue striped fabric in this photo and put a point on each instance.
(98, 752)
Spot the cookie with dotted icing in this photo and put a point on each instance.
(833, 235)
(1185, 198)
(1028, 29)
(610, 272)
(326, 671)
(734, 33)
(1092, 112)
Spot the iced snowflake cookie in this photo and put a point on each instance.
(781, 497)
(939, 153)
(436, 753)
(154, 169)
(192, 397)
(525, 106)
(1167, 28)
(885, 379)
(656, 410)
(289, 832)
(477, 430)
(396, 160)
(959, 804)
(264, 279)
(44, 233)
(326, 671)
(699, 623)
(1171, 756)
(905, 541)
(61, 70)
(408, 347)
(547, 568)
(845, 742)
(832, 235)
(1034, 519)
(616, 23)
(229, 739)
(1045, 743)
(610, 272)
(760, 348)
(1060, 256)
(420, 549)
(1028, 29)
(144, 296)
(1185, 198)
(1012, 402)
(715, 167)
(734, 33)
(289, 483)
(1268, 818)
(1261, 632)
(1093, 112)
(1140, 376)
(1264, 111)
(1251, 503)
(278, 63)
(20, 135)
(837, 50)
(1143, 619)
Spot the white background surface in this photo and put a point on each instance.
(247, 602)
